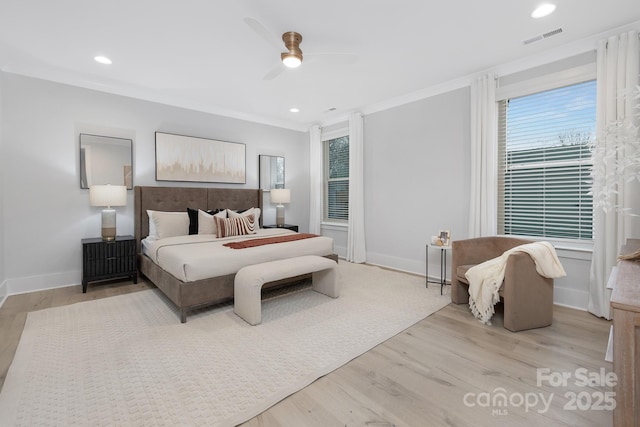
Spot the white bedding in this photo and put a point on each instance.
(202, 256)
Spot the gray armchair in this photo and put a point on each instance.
(527, 296)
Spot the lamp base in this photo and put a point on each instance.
(280, 215)
(108, 224)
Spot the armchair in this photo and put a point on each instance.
(527, 296)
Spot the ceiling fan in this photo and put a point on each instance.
(293, 57)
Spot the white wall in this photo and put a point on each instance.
(573, 290)
(416, 178)
(45, 211)
(416, 159)
(417, 183)
(3, 283)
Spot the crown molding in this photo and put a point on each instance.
(555, 54)
(117, 88)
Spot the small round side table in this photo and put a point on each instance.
(443, 264)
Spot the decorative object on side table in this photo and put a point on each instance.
(280, 196)
(287, 226)
(102, 259)
(445, 238)
(108, 195)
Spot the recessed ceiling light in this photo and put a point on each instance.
(102, 59)
(294, 110)
(543, 10)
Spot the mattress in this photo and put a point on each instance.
(198, 256)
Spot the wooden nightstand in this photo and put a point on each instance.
(287, 226)
(112, 259)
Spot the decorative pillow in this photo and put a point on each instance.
(251, 211)
(168, 224)
(238, 226)
(206, 221)
(193, 219)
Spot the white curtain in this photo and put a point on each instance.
(616, 190)
(483, 203)
(356, 251)
(315, 180)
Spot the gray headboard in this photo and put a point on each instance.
(178, 199)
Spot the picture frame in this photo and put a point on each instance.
(194, 159)
(445, 237)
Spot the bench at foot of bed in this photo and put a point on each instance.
(249, 280)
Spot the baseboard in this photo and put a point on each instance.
(4, 292)
(400, 264)
(561, 296)
(43, 282)
(570, 306)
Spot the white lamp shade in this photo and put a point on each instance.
(108, 195)
(280, 195)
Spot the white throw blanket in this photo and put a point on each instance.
(485, 279)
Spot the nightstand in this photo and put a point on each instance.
(108, 259)
(287, 226)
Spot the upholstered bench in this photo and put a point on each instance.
(248, 282)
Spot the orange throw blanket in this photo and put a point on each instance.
(269, 240)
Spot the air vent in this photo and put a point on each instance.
(543, 36)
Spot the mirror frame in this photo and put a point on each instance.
(86, 139)
(265, 165)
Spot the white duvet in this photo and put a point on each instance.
(202, 256)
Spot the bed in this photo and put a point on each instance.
(186, 284)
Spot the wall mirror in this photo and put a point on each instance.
(105, 160)
(271, 172)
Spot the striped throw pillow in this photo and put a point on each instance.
(238, 226)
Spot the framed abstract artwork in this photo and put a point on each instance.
(188, 158)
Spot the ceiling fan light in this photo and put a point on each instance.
(291, 60)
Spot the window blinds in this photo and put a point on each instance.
(337, 179)
(545, 163)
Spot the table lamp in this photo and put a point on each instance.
(280, 196)
(108, 195)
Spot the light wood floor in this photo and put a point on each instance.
(437, 373)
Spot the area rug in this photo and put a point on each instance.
(127, 360)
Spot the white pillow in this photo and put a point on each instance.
(152, 226)
(168, 224)
(206, 223)
(252, 211)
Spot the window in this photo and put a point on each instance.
(545, 163)
(336, 179)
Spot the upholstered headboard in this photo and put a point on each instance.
(178, 199)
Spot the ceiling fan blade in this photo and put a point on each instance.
(265, 34)
(334, 58)
(274, 72)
